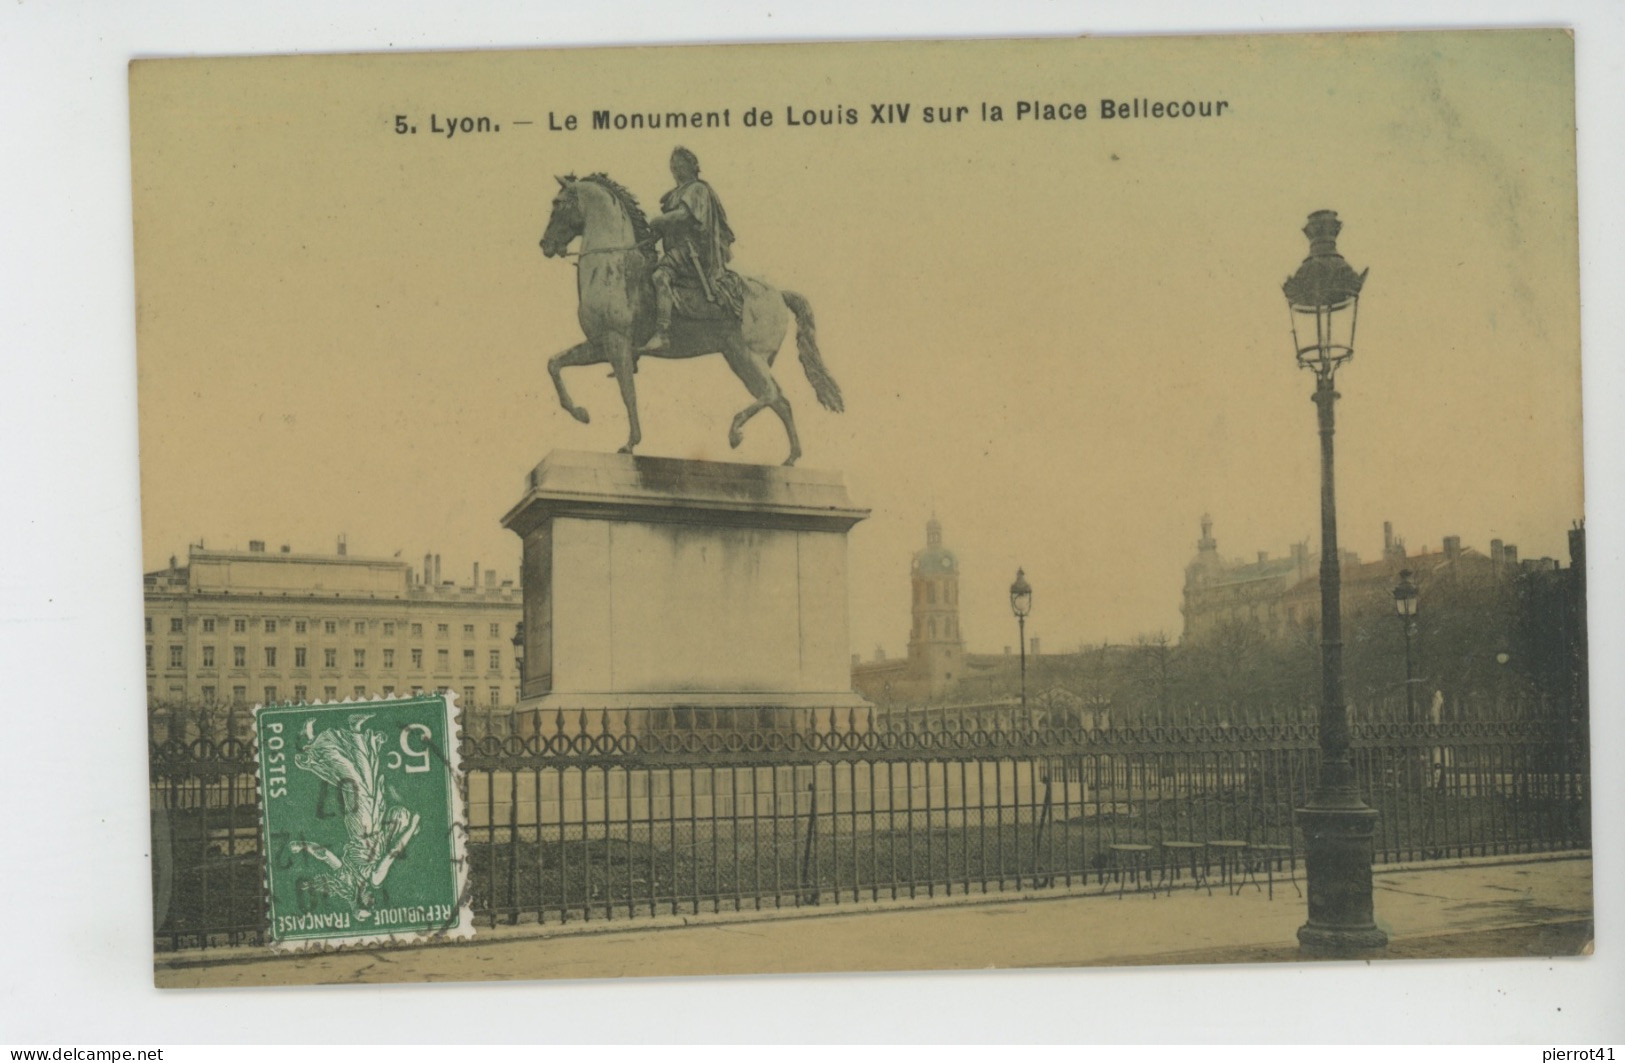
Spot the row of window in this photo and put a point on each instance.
(950, 627)
(239, 694)
(1252, 611)
(330, 658)
(177, 625)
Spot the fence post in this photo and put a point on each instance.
(1038, 834)
(513, 843)
(809, 896)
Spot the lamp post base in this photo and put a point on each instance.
(1341, 941)
(1338, 852)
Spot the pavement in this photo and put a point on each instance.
(1472, 908)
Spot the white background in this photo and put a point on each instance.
(73, 814)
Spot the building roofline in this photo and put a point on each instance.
(196, 552)
(491, 598)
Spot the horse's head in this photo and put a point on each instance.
(566, 222)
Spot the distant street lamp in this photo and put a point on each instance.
(1405, 606)
(1323, 297)
(1021, 603)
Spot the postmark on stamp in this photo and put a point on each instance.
(363, 822)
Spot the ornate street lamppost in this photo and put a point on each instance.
(1324, 298)
(1021, 603)
(1405, 606)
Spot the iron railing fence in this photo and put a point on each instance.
(1060, 707)
(581, 822)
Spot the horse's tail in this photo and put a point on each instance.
(823, 385)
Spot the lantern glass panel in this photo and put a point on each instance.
(1021, 595)
(1323, 334)
(1405, 596)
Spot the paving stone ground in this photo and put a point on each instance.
(1535, 907)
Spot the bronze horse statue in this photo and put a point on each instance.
(617, 312)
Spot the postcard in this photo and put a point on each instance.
(862, 507)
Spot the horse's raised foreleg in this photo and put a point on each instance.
(618, 352)
(585, 353)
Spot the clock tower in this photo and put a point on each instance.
(936, 653)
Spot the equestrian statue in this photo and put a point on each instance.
(680, 302)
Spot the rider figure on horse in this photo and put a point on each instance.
(697, 245)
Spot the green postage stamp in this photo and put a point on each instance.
(363, 822)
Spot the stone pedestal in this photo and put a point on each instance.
(670, 589)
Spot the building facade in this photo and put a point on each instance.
(247, 627)
(1368, 584)
(1280, 597)
(1219, 592)
(936, 649)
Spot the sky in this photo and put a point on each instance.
(1065, 339)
